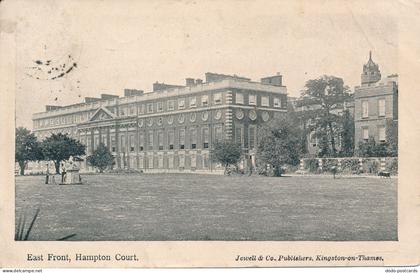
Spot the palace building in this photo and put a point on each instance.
(174, 127)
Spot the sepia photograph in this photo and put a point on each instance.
(196, 133)
(173, 128)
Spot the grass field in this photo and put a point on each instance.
(210, 207)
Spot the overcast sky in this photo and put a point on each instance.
(131, 44)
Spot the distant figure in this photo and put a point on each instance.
(47, 177)
(63, 173)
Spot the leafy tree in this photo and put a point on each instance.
(392, 137)
(347, 134)
(59, 147)
(27, 148)
(325, 95)
(279, 143)
(101, 158)
(226, 152)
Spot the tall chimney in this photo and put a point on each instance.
(189, 82)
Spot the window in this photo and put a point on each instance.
(171, 105)
(218, 132)
(252, 137)
(264, 101)
(193, 161)
(150, 161)
(193, 132)
(205, 137)
(96, 142)
(382, 135)
(277, 102)
(193, 102)
(160, 140)
(113, 143)
(150, 140)
(170, 161)
(160, 161)
(252, 99)
(181, 103)
(131, 143)
(140, 108)
(238, 135)
(150, 108)
(122, 141)
(239, 98)
(181, 161)
(205, 100)
(381, 105)
(122, 111)
(141, 142)
(182, 139)
(365, 109)
(365, 133)
(159, 106)
(103, 140)
(132, 110)
(217, 98)
(171, 138)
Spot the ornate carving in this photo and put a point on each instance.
(239, 114)
(252, 115)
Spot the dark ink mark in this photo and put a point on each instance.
(38, 62)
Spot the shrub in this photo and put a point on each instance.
(312, 165)
(371, 165)
(328, 164)
(350, 166)
(392, 165)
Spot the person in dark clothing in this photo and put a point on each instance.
(63, 172)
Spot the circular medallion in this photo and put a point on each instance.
(252, 115)
(218, 114)
(150, 122)
(170, 119)
(160, 121)
(265, 116)
(239, 114)
(205, 116)
(181, 118)
(193, 117)
(141, 123)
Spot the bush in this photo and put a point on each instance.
(312, 165)
(392, 165)
(350, 166)
(328, 164)
(371, 165)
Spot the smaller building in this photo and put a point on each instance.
(376, 103)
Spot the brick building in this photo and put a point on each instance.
(376, 103)
(174, 127)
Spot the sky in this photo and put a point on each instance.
(112, 45)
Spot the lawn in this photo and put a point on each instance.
(210, 207)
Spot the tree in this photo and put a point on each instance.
(59, 147)
(392, 137)
(27, 148)
(325, 95)
(226, 152)
(101, 158)
(347, 134)
(279, 143)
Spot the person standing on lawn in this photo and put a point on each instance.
(63, 173)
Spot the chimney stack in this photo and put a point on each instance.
(189, 82)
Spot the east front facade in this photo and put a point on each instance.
(174, 127)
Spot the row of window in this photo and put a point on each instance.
(152, 107)
(172, 161)
(381, 108)
(381, 133)
(158, 140)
